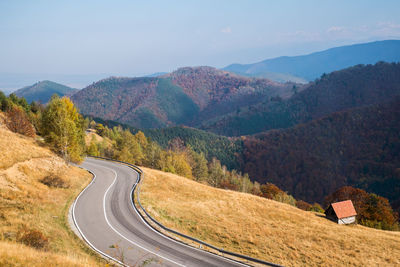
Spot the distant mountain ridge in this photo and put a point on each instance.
(312, 66)
(186, 96)
(357, 86)
(43, 91)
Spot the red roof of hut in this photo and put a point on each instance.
(344, 209)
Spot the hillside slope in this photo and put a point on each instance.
(263, 228)
(358, 147)
(187, 96)
(211, 145)
(43, 91)
(314, 65)
(357, 86)
(35, 213)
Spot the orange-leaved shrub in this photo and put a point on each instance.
(33, 238)
(18, 122)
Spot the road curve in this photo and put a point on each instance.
(107, 221)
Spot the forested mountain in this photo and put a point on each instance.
(358, 147)
(357, 86)
(312, 66)
(187, 96)
(42, 91)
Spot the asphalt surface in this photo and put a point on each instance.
(104, 215)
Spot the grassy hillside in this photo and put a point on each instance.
(264, 228)
(341, 90)
(36, 190)
(43, 91)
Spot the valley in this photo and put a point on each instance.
(246, 158)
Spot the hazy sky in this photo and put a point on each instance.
(140, 37)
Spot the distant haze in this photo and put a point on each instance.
(78, 41)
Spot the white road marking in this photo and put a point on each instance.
(108, 222)
(170, 238)
(79, 229)
(115, 230)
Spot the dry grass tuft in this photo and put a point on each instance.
(54, 181)
(34, 229)
(15, 254)
(33, 238)
(263, 228)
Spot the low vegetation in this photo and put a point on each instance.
(34, 201)
(263, 228)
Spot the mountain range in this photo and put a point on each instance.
(187, 96)
(312, 66)
(341, 129)
(42, 91)
(349, 88)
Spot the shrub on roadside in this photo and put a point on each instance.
(54, 181)
(316, 208)
(33, 238)
(303, 205)
(18, 122)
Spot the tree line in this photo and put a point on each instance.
(63, 129)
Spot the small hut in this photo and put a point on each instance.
(342, 212)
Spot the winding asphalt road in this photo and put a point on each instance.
(106, 219)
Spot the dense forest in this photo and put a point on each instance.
(358, 147)
(357, 86)
(187, 96)
(225, 149)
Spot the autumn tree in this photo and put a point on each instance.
(4, 102)
(216, 173)
(130, 149)
(18, 122)
(93, 148)
(141, 139)
(152, 155)
(269, 190)
(62, 128)
(173, 162)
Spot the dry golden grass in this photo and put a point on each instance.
(90, 135)
(15, 254)
(26, 203)
(263, 228)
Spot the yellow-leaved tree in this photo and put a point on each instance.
(62, 128)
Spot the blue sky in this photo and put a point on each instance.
(140, 37)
